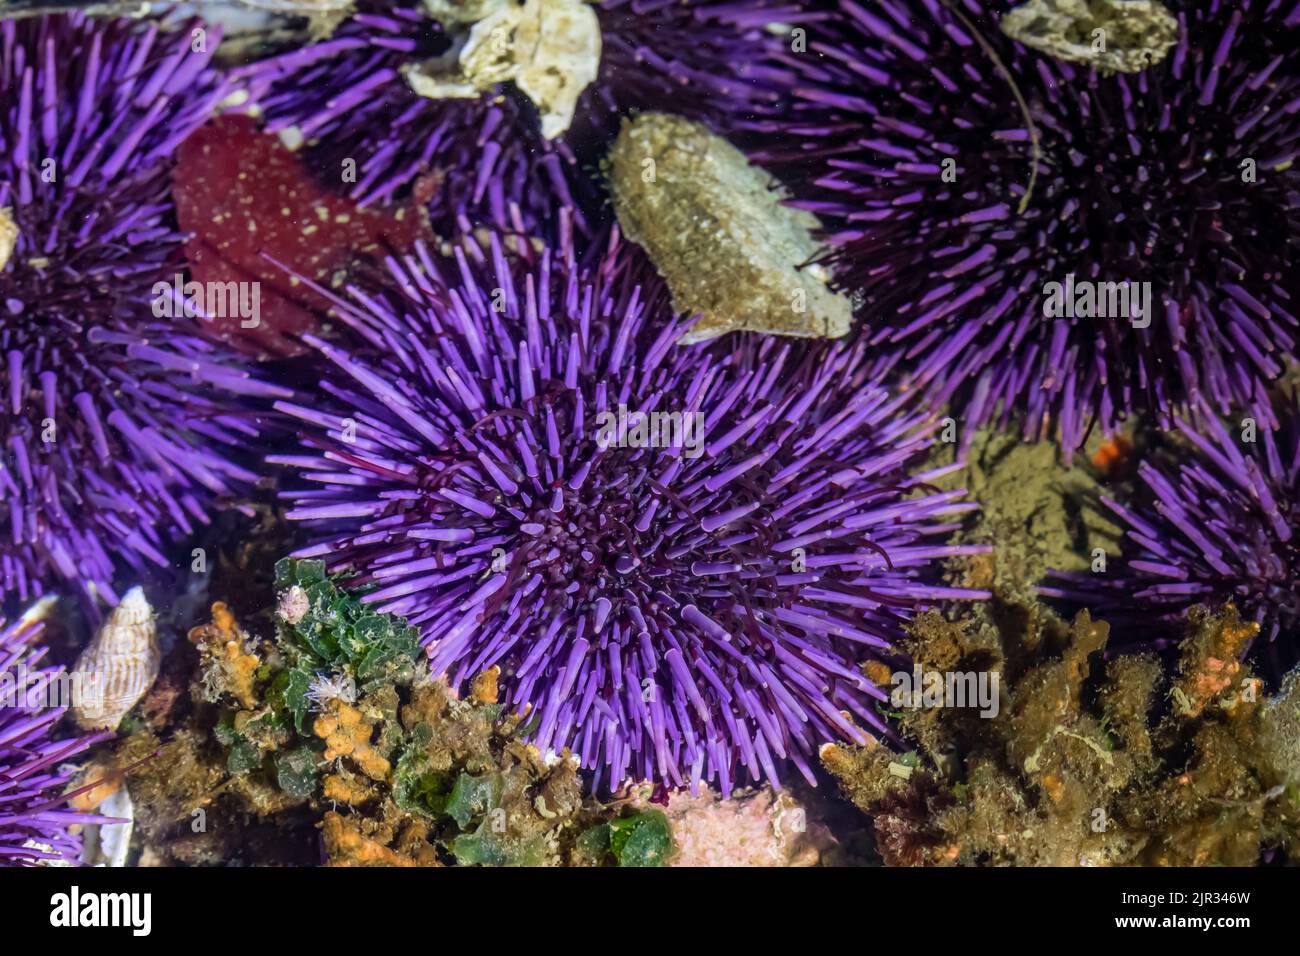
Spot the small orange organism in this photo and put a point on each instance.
(1115, 456)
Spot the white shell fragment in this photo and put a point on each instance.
(549, 48)
(45, 848)
(118, 667)
(296, 6)
(8, 235)
(109, 844)
(293, 605)
(459, 12)
(39, 611)
(1115, 36)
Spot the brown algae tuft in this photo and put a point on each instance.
(1088, 762)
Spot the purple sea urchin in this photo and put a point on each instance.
(484, 157)
(1215, 525)
(678, 557)
(117, 425)
(34, 817)
(927, 130)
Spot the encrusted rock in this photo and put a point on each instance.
(717, 231)
(1115, 36)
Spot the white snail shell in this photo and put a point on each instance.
(118, 667)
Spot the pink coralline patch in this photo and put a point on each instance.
(758, 828)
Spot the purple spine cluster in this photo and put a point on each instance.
(484, 159)
(677, 610)
(708, 61)
(348, 98)
(1213, 524)
(34, 816)
(117, 426)
(959, 172)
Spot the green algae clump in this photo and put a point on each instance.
(331, 733)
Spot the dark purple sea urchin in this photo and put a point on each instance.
(34, 816)
(1217, 523)
(674, 612)
(1141, 177)
(486, 157)
(116, 425)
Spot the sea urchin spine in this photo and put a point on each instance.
(679, 558)
(960, 173)
(34, 816)
(1216, 524)
(119, 427)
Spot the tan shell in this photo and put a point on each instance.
(1124, 36)
(716, 228)
(8, 235)
(118, 667)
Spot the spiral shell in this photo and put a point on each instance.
(118, 667)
